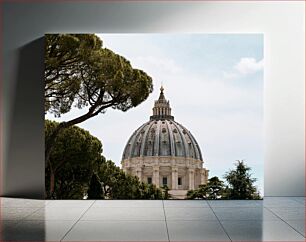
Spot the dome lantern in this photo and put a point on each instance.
(161, 109)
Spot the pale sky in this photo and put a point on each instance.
(214, 83)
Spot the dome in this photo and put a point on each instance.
(162, 136)
(163, 152)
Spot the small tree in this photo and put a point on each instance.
(116, 184)
(214, 189)
(241, 185)
(95, 190)
(166, 194)
(195, 194)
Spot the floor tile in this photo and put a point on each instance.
(189, 214)
(12, 213)
(7, 228)
(144, 220)
(70, 203)
(186, 203)
(235, 203)
(253, 213)
(108, 214)
(298, 225)
(22, 203)
(300, 200)
(196, 231)
(281, 202)
(39, 230)
(289, 213)
(261, 231)
(58, 213)
(5, 225)
(118, 231)
(128, 203)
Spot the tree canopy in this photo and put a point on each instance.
(77, 169)
(78, 69)
(79, 72)
(241, 184)
(72, 159)
(214, 189)
(64, 54)
(116, 184)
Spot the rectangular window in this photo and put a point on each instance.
(164, 180)
(149, 180)
(179, 181)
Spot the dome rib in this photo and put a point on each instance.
(172, 149)
(157, 138)
(186, 151)
(135, 136)
(197, 150)
(144, 139)
(193, 143)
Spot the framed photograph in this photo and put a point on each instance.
(154, 116)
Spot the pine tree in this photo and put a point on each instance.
(241, 185)
(214, 188)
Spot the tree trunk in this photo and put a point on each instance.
(52, 183)
(51, 140)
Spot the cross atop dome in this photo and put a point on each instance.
(161, 109)
(161, 88)
(161, 95)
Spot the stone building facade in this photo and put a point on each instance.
(164, 152)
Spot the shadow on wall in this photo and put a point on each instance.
(25, 150)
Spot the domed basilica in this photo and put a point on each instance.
(164, 152)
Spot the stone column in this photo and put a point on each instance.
(191, 178)
(203, 176)
(206, 175)
(174, 178)
(139, 173)
(156, 175)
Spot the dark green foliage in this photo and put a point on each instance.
(214, 189)
(77, 169)
(64, 55)
(95, 190)
(71, 162)
(165, 190)
(71, 182)
(241, 185)
(77, 68)
(116, 184)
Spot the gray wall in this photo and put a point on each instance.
(24, 25)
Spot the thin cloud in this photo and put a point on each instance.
(153, 62)
(248, 65)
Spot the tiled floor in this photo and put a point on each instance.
(274, 219)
